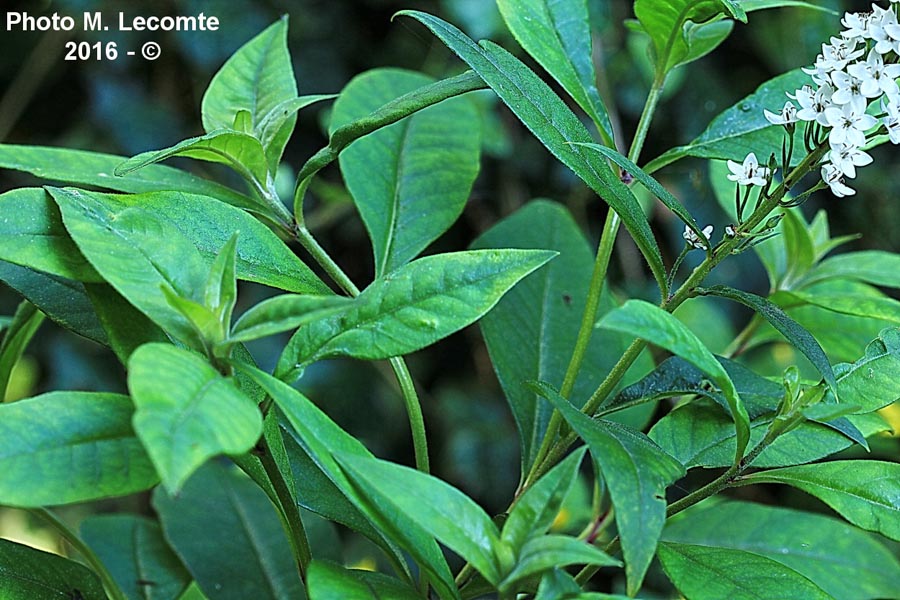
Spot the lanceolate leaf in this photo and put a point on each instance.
(558, 36)
(534, 511)
(551, 121)
(238, 150)
(531, 332)
(320, 439)
(440, 509)
(84, 449)
(544, 553)
(675, 377)
(665, 23)
(187, 412)
(636, 472)
(699, 435)
(653, 186)
(228, 535)
(81, 167)
(328, 581)
(865, 492)
(413, 307)
(743, 128)
(871, 266)
(63, 301)
(137, 556)
(410, 180)
(29, 573)
(32, 235)
(283, 313)
(795, 334)
(883, 308)
(709, 572)
(644, 320)
(842, 560)
(258, 79)
(870, 382)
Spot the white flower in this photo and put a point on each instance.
(848, 91)
(835, 180)
(813, 103)
(787, 115)
(891, 120)
(730, 231)
(882, 21)
(839, 52)
(847, 158)
(875, 77)
(691, 237)
(748, 173)
(849, 126)
(857, 25)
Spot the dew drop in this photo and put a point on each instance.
(745, 106)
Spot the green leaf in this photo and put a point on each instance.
(531, 332)
(636, 472)
(799, 337)
(438, 508)
(328, 581)
(275, 129)
(116, 234)
(558, 36)
(62, 300)
(125, 327)
(32, 235)
(414, 306)
(84, 449)
(551, 121)
(652, 185)
(647, 321)
(871, 266)
(743, 127)
(882, 308)
(21, 329)
(871, 382)
(546, 552)
(675, 377)
(666, 22)
(228, 535)
(699, 435)
(283, 313)
(704, 572)
(81, 167)
(124, 246)
(559, 585)
(221, 284)
(137, 556)
(422, 165)
(751, 5)
(259, 79)
(865, 492)
(534, 511)
(320, 439)
(187, 412)
(240, 151)
(844, 561)
(30, 574)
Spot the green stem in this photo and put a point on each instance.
(109, 584)
(684, 292)
(391, 112)
(414, 411)
(289, 508)
(595, 289)
(407, 387)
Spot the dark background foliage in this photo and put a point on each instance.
(131, 105)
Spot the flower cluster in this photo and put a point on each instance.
(854, 76)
